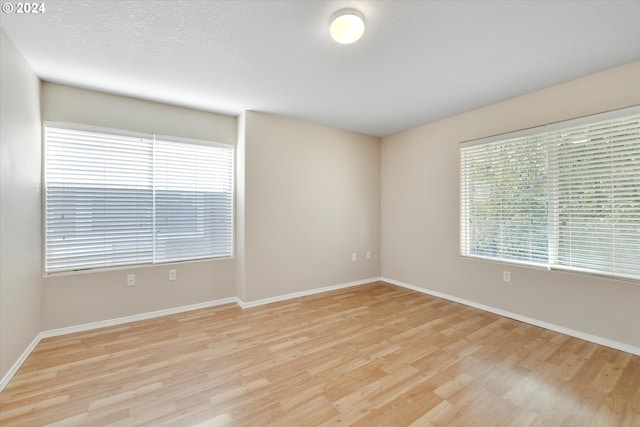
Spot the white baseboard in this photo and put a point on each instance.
(102, 324)
(279, 298)
(135, 317)
(150, 315)
(118, 321)
(12, 371)
(561, 329)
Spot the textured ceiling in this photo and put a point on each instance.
(418, 61)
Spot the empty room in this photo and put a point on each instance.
(320, 213)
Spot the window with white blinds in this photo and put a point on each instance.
(563, 196)
(504, 198)
(115, 198)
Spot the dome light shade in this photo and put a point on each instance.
(347, 26)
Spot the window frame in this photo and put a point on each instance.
(142, 135)
(551, 263)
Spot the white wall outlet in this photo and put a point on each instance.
(506, 276)
(368, 254)
(131, 279)
(354, 256)
(172, 275)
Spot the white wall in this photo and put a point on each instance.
(76, 299)
(311, 199)
(420, 214)
(20, 142)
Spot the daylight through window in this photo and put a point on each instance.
(563, 196)
(117, 198)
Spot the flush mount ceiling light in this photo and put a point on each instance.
(347, 26)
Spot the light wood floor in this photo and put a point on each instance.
(373, 355)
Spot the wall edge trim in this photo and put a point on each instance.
(285, 297)
(535, 322)
(135, 317)
(18, 363)
(159, 313)
(103, 324)
(245, 305)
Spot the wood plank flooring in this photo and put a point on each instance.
(372, 355)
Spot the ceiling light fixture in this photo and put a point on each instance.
(347, 26)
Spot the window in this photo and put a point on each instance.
(115, 198)
(563, 196)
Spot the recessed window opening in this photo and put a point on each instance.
(116, 198)
(562, 196)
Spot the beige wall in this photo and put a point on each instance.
(75, 299)
(311, 199)
(312, 194)
(420, 214)
(20, 143)
(70, 104)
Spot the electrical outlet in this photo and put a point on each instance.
(506, 276)
(368, 254)
(131, 279)
(354, 256)
(172, 275)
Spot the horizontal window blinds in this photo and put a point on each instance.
(563, 196)
(505, 192)
(596, 196)
(99, 200)
(116, 199)
(193, 193)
